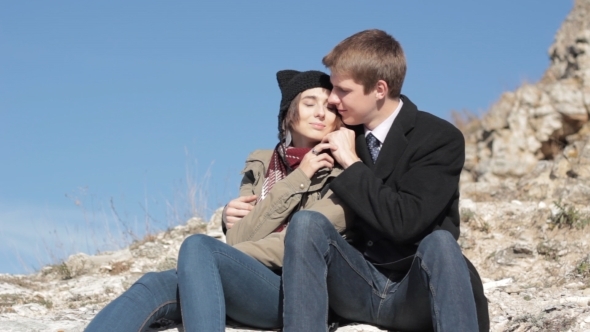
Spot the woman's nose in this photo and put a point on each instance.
(320, 111)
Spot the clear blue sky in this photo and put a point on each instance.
(112, 103)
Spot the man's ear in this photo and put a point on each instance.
(381, 89)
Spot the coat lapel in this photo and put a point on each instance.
(396, 141)
(361, 147)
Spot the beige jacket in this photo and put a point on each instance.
(254, 235)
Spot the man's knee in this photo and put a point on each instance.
(440, 243)
(305, 221)
(305, 226)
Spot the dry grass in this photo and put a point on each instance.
(119, 267)
(106, 227)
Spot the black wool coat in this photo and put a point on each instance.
(410, 191)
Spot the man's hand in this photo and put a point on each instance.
(342, 146)
(237, 209)
(315, 159)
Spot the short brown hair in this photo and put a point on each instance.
(369, 56)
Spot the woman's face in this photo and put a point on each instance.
(316, 118)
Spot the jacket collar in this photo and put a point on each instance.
(395, 142)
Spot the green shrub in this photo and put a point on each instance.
(569, 216)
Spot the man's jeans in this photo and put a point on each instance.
(213, 279)
(321, 269)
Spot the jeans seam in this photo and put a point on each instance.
(432, 291)
(221, 307)
(384, 297)
(154, 311)
(375, 291)
(327, 311)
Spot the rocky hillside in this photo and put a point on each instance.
(525, 192)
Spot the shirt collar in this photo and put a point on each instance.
(380, 132)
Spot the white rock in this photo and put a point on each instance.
(500, 283)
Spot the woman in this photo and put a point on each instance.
(241, 279)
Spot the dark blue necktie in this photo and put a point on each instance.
(373, 145)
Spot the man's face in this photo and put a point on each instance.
(350, 100)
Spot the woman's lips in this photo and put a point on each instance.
(318, 126)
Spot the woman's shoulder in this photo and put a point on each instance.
(260, 155)
(257, 161)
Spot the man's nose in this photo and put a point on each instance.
(333, 98)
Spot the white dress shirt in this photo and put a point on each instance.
(380, 132)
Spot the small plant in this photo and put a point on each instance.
(119, 267)
(42, 301)
(548, 250)
(583, 268)
(64, 271)
(485, 227)
(568, 215)
(467, 215)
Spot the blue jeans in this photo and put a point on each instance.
(212, 280)
(322, 270)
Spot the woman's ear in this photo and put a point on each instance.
(381, 89)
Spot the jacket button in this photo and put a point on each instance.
(369, 243)
(302, 186)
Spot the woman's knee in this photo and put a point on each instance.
(196, 242)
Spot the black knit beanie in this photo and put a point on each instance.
(293, 82)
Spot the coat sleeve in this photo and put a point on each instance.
(247, 186)
(270, 249)
(270, 213)
(407, 207)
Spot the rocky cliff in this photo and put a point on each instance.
(525, 190)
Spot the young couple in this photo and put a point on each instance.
(362, 220)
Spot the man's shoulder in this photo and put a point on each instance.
(424, 121)
(428, 121)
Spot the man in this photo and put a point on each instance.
(401, 267)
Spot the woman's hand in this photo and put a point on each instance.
(237, 209)
(315, 160)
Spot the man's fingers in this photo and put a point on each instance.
(233, 220)
(232, 212)
(241, 206)
(247, 199)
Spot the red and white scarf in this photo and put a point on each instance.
(282, 162)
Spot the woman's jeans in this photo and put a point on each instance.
(212, 280)
(321, 269)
